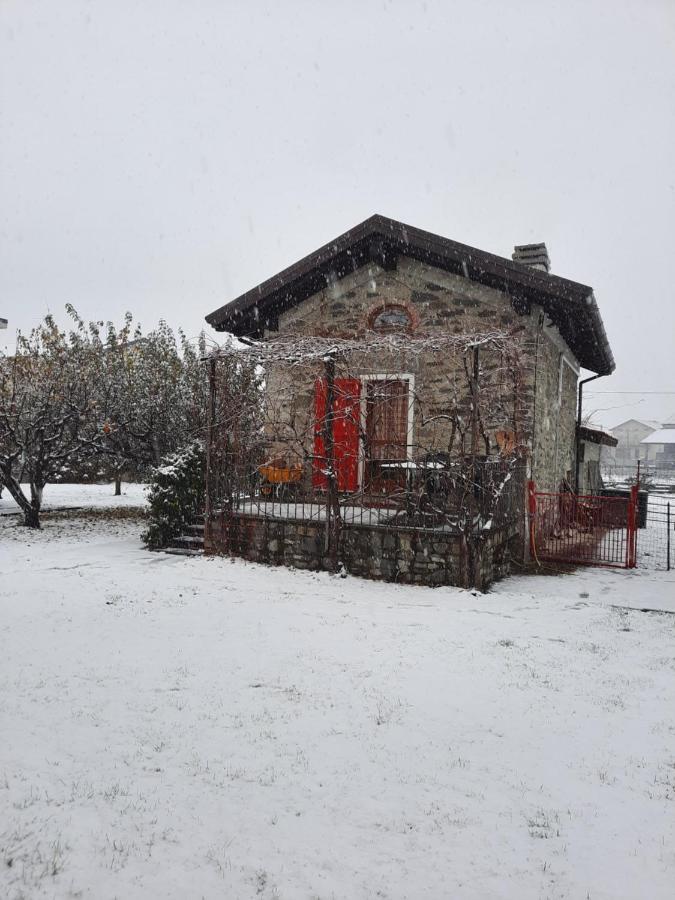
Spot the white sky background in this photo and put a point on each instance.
(165, 156)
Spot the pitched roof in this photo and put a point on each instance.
(662, 436)
(646, 423)
(570, 305)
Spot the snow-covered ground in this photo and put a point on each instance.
(185, 728)
(74, 496)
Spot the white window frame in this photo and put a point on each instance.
(392, 376)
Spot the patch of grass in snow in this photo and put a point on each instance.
(31, 867)
(664, 783)
(442, 820)
(386, 709)
(620, 618)
(116, 853)
(612, 703)
(543, 824)
(82, 790)
(268, 776)
(115, 791)
(505, 642)
(219, 858)
(605, 777)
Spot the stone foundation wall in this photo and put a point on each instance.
(406, 556)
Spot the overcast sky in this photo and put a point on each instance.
(164, 156)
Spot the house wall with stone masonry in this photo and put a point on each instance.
(554, 411)
(543, 405)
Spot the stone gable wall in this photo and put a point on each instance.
(553, 414)
(436, 300)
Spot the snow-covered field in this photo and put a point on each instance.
(73, 496)
(185, 728)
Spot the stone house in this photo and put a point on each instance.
(384, 277)
(386, 274)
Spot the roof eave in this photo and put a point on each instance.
(254, 311)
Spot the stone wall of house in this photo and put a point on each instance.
(553, 412)
(405, 556)
(542, 405)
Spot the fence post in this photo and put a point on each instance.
(333, 516)
(210, 431)
(532, 512)
(668, 538)
(631, 549)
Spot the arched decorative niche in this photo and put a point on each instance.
(391, 317)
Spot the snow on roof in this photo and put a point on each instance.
(597, 436)
(662, 436)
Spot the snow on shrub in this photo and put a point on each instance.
(175, 495)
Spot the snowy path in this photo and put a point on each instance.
(183, 728)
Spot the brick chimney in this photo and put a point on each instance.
(533, 255)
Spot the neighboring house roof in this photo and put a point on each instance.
(597, 436)
(643, 422)
(662, 436)
(571, 306)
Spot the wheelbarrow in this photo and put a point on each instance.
(279, 479)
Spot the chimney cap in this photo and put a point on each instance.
(533, 255)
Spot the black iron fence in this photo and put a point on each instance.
(656, 540)
(432, 494)
(653, 477)
(655, 514)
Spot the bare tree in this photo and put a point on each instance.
(96, 399)
(52, 409)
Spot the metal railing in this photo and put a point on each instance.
(583, 530)
(424, 496)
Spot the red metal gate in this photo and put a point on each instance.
(583, 530)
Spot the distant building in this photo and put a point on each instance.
(3, 323)
(660, 445)
(630, 435)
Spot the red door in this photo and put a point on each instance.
(346, 415)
